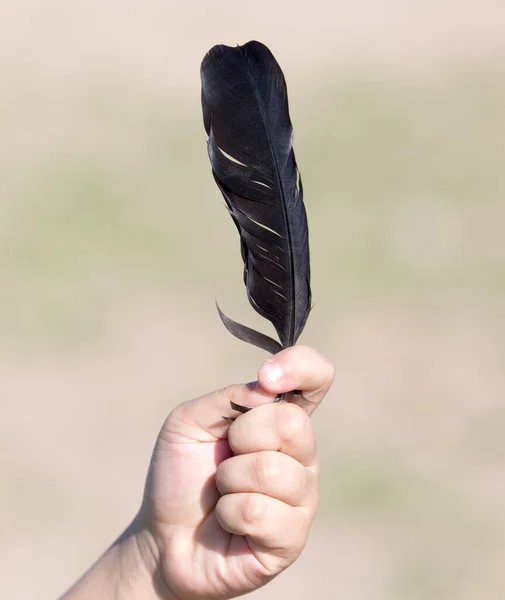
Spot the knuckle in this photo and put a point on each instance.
(292, 421)
(301, 540)
(315, 503)
(330, 371)
(224, 513)
(178, 413)
(290, 358)
(300, 362)
(253, 509)
(221, 477)
(229, 392)
(267, 471)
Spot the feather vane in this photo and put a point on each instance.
(250, 147)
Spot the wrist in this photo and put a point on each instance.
(135, 563)
(138, 565)
(129, 570)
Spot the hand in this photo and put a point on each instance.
(227, 507)
(230, 505)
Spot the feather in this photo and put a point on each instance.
(250, 146)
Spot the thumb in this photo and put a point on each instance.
(201, 419)
(180, 486)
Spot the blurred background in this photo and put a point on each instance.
(114, 244)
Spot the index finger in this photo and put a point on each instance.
(281, 427)
(284, 427)
(300, 368)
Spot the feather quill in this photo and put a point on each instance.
(250, 146)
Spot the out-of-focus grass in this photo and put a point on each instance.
(370, 488)
(404, 188)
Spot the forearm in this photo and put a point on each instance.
(126, 571)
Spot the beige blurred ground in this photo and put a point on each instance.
(114, 245)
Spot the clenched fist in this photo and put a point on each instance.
(227, 507)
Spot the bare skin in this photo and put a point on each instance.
(227, 507)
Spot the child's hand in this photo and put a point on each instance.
(228, 507)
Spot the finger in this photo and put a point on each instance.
(201, 420)
(271, 473)
(298, 368)
(272, 526)
(280, 427)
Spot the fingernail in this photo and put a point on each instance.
(272, 371)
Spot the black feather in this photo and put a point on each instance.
(250, 146)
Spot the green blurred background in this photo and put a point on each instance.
(114, 244)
